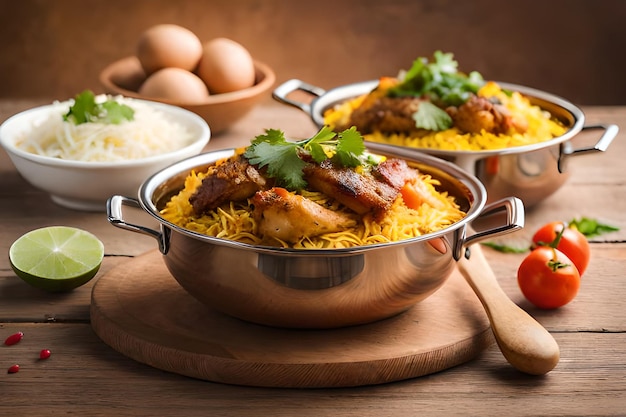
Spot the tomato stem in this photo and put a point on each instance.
(558, 237)
(554, 264)
(556, 240)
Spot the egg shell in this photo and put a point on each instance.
(226, 66)
(168, 45)
(175, 85)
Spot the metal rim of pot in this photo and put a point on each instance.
(155, 189)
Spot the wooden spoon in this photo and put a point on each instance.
(525, 343)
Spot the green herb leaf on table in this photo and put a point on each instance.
(86, 110)
(588, 227)
(591, 227)
(506, 248)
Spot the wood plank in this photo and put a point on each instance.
(40, 211)
(86, 377)
(594, 308)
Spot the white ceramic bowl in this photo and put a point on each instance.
(88, 185)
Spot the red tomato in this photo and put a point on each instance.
(548, 278)
(573, 243)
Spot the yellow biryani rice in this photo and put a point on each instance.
(541, 126)
(234, 220)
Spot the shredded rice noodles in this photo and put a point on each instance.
(234, 220)
(150, 133)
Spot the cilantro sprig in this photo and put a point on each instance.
(440, 82)
(284, 159)
(86, 110)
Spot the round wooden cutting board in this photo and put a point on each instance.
(141, 311)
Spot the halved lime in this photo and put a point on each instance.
(56, 258)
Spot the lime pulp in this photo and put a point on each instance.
(56, 258)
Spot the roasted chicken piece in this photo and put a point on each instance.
(235, 179)
(479, 113)
(232, 180)
(362, 193)
(290, 217)
(385, 114)
(395, 172)
(380, 113)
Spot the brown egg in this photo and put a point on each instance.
(168, 45)
(176, 85)
(225, 66)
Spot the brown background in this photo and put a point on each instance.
(573, 48)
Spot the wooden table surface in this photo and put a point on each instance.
(85, 377)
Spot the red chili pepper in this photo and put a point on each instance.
(14, 338)
(44, 354)
(13, 369)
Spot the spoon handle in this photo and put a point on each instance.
(525, 343)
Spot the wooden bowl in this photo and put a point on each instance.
(220, 111)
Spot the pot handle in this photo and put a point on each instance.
(281, 92)
(610, 131)
(115, 217)
(490, 222)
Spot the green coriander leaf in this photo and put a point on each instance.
(591, 227)
(282, 161)
(350, 147)
(475, 81)
(271, 136)
(283, 158)
(317, 152)
(116, 113)
(287, 167)
(505, 248)
(444, 63)
(416, 72)
(324, 135)
(439, 80)
(83, 109)
(320, 143)
(430, 117)
(86, 110)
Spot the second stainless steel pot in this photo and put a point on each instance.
(531, 172)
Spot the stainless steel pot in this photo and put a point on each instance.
(530, 172)
(316, 288)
